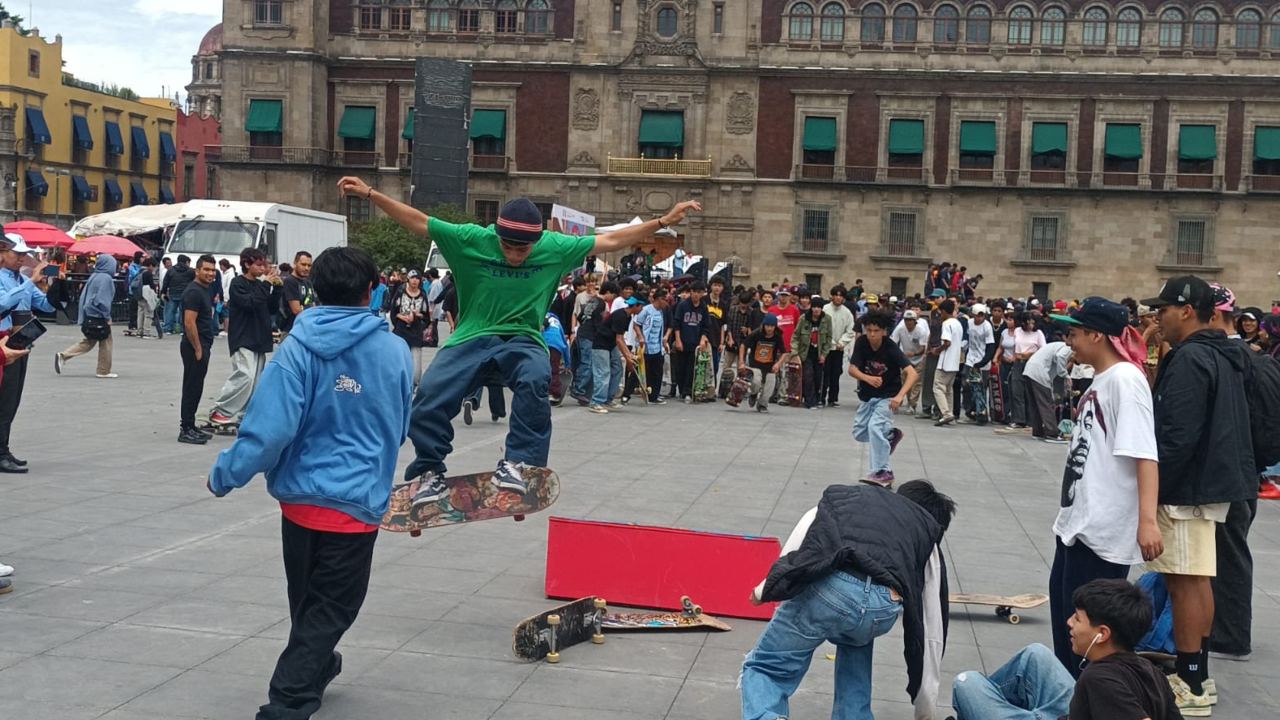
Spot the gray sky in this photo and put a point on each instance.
(141, 44)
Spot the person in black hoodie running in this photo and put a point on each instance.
(852, 565)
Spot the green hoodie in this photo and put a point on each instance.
(805, 328)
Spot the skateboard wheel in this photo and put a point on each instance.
(553, 620)
(697, 609)
(518, 518)
(553, 657)
(1014, 619)
(599, 603)
(597, 638)
(415, 533)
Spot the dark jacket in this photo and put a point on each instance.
(876, 533)
(1202, 422)
(252, 304)
(176, 281)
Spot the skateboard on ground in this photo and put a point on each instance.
(704, 385)
(793, 380)
(230, 429)
(545, 635)
(471, 498)
(740, 388)
(1004, 604)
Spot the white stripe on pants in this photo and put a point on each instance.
(246, 368)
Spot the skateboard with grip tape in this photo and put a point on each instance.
(546, 634)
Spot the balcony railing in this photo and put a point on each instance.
(1121, 180)
(362, 158)
(1263, 183)
(860, 174)
(648, 166)
(404, 160)
(976, 176)
(267, 154)
(1188, 181)
(489, 163)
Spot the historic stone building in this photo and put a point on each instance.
(204, 94)
(1060, 148)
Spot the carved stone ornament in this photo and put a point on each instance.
(740, 113)
(586, 109)
(583, 158)
(683, 43)
(737, 162)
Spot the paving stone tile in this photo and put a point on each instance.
(598, 690)
(228, 618)
(167, 647)
(468, 677)
(79, 681)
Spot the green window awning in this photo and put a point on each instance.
(407, 133)
(1197, 142)
(906, 137)
(1123, 141)
(1266, 143)
(819, 134)
(265, 116)
(1048, 137)
(489, 124)
(978, 138)
(358, 122)
(660, 127)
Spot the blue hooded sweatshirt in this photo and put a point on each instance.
(328, 416)
(99, 290)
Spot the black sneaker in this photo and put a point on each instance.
(466, 411)
(335, 669)
(431, 488)
(191, 436)
(202, 431)
(508, 477)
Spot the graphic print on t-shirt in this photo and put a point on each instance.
(1089, 413)
(765, 353)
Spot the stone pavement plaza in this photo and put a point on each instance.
(140, 596)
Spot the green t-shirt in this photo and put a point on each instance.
(495, 298)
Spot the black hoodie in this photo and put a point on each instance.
(1202, 422)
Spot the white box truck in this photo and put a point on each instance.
(222, 228)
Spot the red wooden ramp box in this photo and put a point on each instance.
(648, 566)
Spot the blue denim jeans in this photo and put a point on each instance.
(872, 424)
(977, 381)
(606, 373)
(456, 372)
(1033, 685)
(582, 372)
(849, 612)
(172, 313)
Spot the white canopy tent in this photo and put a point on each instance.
(129, 221)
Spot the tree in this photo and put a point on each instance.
(392, 246)
(15, 19)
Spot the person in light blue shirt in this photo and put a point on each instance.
(653, 332)
(18, 295)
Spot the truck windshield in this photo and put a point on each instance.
(215, 237)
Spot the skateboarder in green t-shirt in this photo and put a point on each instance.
(506, 275)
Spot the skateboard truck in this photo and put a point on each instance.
(597, 637)
(554, 622)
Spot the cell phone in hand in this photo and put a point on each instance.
(51, 271)
(23, 337)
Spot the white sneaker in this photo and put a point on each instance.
(107, 376)
(1189, 704)
(5, 570)
(598, 409)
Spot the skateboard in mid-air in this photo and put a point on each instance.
(740, 388)
(545, 635)
(471, 497)
(1004, 604)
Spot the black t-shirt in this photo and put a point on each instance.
(592, 312)
(886, 362)
(1123, 686)
(762, 353)
(196, 298)
(608, 329)
(297, 290)
(717, 316)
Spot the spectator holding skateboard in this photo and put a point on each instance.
(506, 276)
(325, 425)
(764, 351)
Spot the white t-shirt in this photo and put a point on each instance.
(1049, 363)
(979, 337)
(1115, 428)
(949, 359)
(911, 341)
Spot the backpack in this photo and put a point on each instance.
(135, 285)
(1263, 387)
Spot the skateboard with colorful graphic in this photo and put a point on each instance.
(793, 381)
(546, 635)
(740, 388)
(1004, 604)
(689, 617)
(471, 498)
(704, 385)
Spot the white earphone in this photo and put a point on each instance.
(1093, 642)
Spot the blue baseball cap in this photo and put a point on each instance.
(633, 301)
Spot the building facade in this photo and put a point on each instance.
(1058, 148)
(78, 151)
(204, 94)
(196, 178)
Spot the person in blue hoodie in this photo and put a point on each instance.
(95, 317)
(325, 425)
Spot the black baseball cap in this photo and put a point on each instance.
(1183, 290)
(1100, 314)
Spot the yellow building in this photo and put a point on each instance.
(78, 151)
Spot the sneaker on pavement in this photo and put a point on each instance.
(218, 418)
(5, 570)
(108, 376)
(335, 669)
(509, 476)
(614, 404)
(1269, 490)
(57, 362)
(6, 586)
(431, 488)
(688, 400)
(762, 407)
(190, 436)
(660, 401)
(598, 409)
(1210, 690)
(1189, 704)
(1055, 440)
(944, 421)
(883, 478)
(466, 411)
(895, 437)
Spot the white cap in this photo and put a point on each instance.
(910, 315)
(17, 244)
(979, 309)
(893, 298)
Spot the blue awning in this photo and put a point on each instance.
(36, 184)
(168, 152)
(80, 132)
(141, 148)
(80, 188)
(115, 141)
(114, 193)
(166, 195)
(137, 193)
(37, 128)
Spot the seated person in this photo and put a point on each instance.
(1111, 616)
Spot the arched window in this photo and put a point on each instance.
(904, 24)
(977, 26)
(469, 16)
(1095, 27)
(1020, 25)
(537, 17)
(1053, 26)
(1171, 22)
(872, 24)
(946, 25)
(832, 30)
(801, 26)
(439, 16)
(1204, 29)
(504, 16)
(1129, 28)
(1275, 31)
(667, 22)
(1248, 29)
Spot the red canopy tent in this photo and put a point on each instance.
(39, 234)
(105, 245)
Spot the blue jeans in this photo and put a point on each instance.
(1033, 685)
(977, 381)
(872, 424)
(582, 373)
(849, 612)
(172, 313)
(456, 372)
(606, 373)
